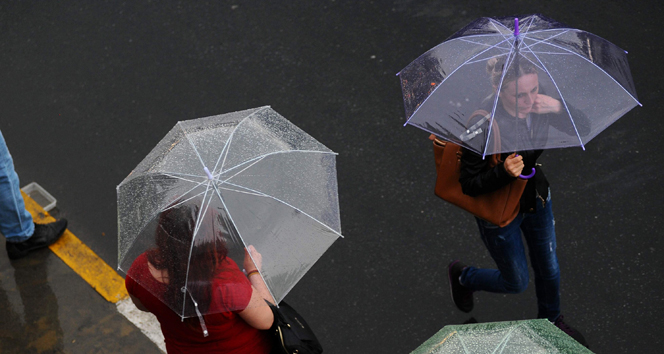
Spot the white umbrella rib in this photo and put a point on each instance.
(597, 66)
(505, 35)
(255, 161)
(448, 76)
(192, 144)
(242, 239)
(182, 178)
(562, 99)
(510, 57)
(491, 57)
(501, 39)
(260, 157)
(505, 339)
(530, 23)
(285, 203)
(191, 248)
(239, 191)
(463, 344)
(226, 147)
(463, 39)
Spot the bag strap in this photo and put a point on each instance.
(475, 129)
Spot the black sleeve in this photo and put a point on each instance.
(581, 121)
(476, 179)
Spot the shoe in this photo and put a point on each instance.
(570, 331)
(462, 296)
(44, 235)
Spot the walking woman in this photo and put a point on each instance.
(524, 118)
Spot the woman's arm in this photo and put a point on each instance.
(476, 179)
(559, 118)
(257, 314)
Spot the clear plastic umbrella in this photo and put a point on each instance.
(515, 337)
(227, 182)
(572, 85)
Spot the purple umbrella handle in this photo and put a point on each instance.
(528, 176)
(532, 173)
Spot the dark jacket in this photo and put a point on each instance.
(476, 176)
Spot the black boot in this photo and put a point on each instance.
(462, 296)
(44, 235)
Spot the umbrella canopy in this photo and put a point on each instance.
(582, 84)
(529, 336)
(226, 182)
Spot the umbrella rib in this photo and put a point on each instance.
(238, 191)
(494, 56)
(542, 40)
(242, 170)
(463, 344)
(448, 76)
(549, 53)
(505, 35)
(226, 147)
(597, 66)
(506, 339)
(494, 22)
(191, 248)
(186, 200)
(260, 157)
(168, 174)
(458, 39)
(463, 39)
(495, 101)
(531, 19)
(242, 240)
(192, 144)
(179, 174)
(562, 99)
(287, 204)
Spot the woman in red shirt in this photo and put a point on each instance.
(235, 314)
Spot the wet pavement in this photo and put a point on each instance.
(47, 308)
(90, 87)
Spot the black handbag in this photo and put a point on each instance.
(292, 333)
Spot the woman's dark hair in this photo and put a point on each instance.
(173, 238)
(496, 65)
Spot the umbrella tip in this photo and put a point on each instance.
(207, 172)
(516, 27)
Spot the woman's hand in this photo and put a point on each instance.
(546, 104)
(250, 265)
(513, 165)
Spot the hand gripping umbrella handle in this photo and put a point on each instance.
(528, 176)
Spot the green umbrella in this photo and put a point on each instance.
(528, 336)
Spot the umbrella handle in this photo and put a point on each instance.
(529, 176)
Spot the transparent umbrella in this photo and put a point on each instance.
(248, 178)
(516, 337)
(572, 85)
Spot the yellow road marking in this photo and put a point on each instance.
(81, 259)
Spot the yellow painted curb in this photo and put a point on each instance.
(81, 258)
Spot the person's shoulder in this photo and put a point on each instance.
(139, 262)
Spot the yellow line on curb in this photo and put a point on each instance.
(81, 258)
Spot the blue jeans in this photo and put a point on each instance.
(506, 248)
(15, 222)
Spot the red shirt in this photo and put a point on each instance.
(228, 332)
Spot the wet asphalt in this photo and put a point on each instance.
(90, 87)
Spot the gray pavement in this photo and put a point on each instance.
(90, 87)
(47, 308)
